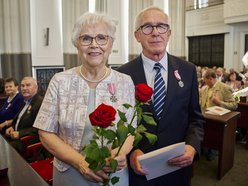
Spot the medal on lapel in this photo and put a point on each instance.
(178, 77)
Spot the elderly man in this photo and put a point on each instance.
(175, 103)
(220, 76)
(22, 124)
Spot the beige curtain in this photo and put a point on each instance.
(15, 47)
(71, 11)
(101, 6)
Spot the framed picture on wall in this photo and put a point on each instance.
(43, 76)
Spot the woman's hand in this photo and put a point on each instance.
(121, 163)
(90, 175)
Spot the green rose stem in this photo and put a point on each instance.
(106, 182)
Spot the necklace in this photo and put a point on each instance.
(92, 81)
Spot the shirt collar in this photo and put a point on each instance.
(28, 101)
(149, 64)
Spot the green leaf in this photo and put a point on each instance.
(97, 165)
(131, 129)
(115, 180)
(127, 106)
(90, 147)
(109, 134)
(137, 139)
(121, 133)
(122, 116)
(94, 154)
(120, 122)
(113, 164)
(105, 182)
(149, 120)
(105, 153)
(93, 165)
(115, 144)
(140, 129)
(151, 137)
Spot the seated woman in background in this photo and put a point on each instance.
(11, 105)
(233, 82)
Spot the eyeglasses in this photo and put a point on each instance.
(100, 39)
(148, 29)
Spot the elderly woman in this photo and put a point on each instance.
(72, 95)
(12, 104)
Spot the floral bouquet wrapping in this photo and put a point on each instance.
(109, 135)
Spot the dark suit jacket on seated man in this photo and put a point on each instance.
(22, 124)
(181, 118)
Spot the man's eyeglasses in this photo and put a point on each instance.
(100, 39)
(148, 29)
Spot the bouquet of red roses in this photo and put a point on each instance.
(97, 152)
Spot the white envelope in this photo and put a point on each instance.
(155, 162)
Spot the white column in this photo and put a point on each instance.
(46, 32)
(115, 11)
(177, 17)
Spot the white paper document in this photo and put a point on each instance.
(216, 110)
(155, 162)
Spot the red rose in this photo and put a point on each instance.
(103, 116)
(143, 92)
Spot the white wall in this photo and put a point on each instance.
(117, 12)
(46, 14)
(235, 11)
(211, 20)
(177, 16)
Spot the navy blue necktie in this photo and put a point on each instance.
(159, 91)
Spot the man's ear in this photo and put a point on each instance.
(137, 36)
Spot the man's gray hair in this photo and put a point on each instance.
(138, 18)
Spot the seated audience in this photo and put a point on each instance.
(216, 93)
(233, 83)
(238, 77)
(22, 124)
(11, 104)
(220, 75)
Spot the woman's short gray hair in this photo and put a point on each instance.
(92, 19)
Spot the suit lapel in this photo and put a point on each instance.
(172, 84)
(138, 71)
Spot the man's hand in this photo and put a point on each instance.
(9, 131)
(216, 99)
(14, 135)
(184, 160)
(2, 125)
(134, 162)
